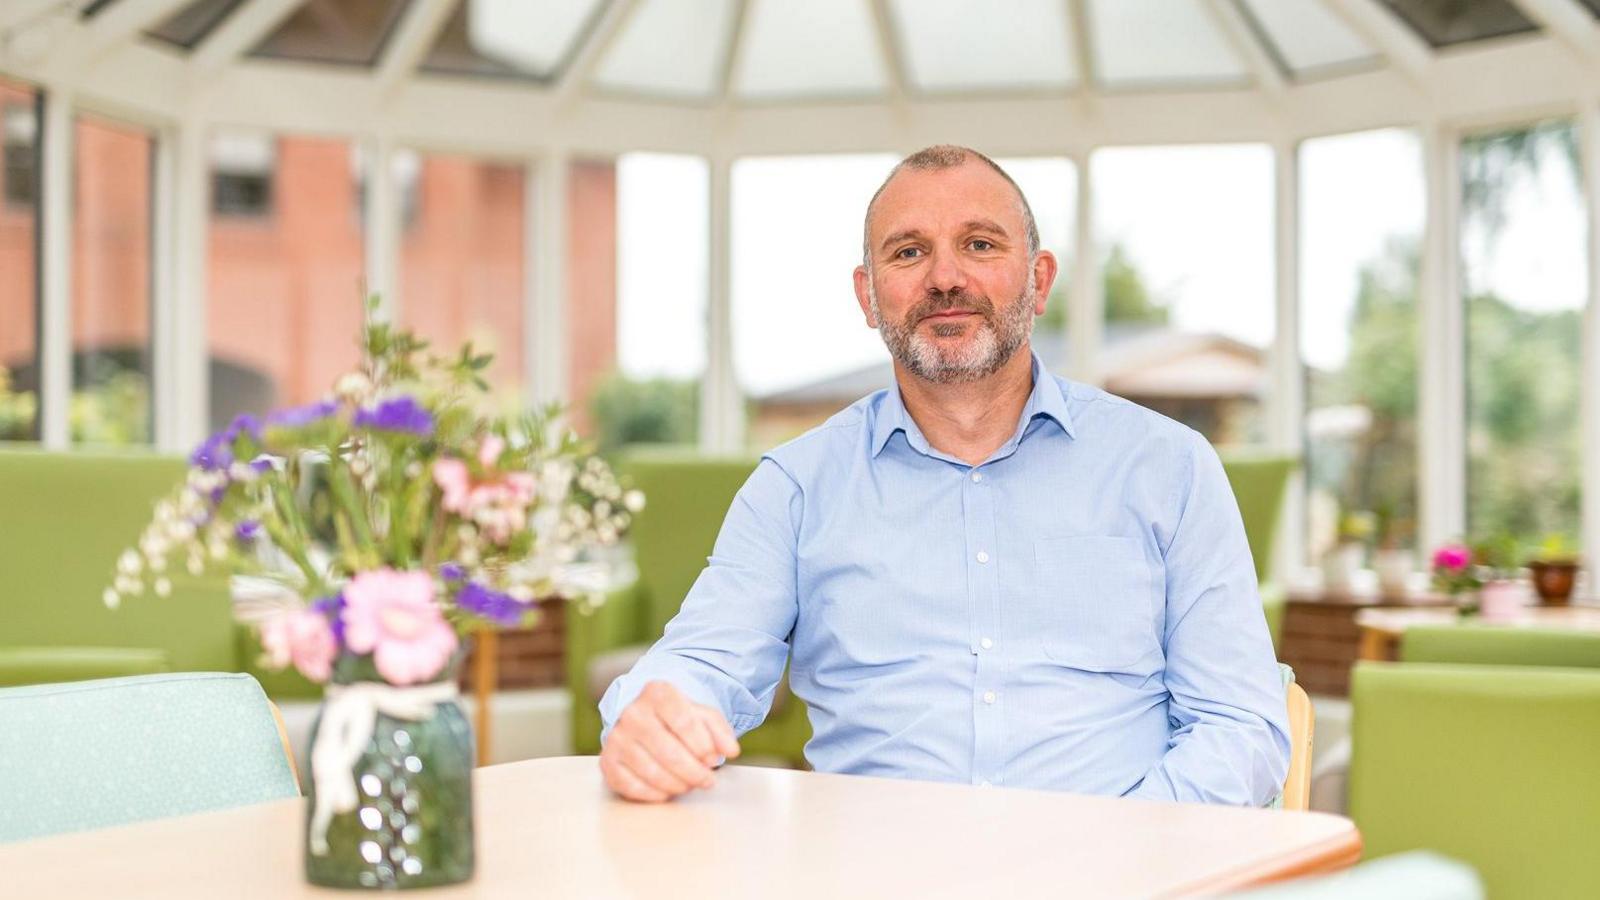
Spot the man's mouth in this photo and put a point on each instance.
(951, 314)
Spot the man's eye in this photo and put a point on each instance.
(981, 244)
(906, 252)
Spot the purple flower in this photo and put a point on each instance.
(333, 608)
(215, 453)
(402, 413)
(502, 609)
(301, 416)
(451, 572)
(247, 531)
(261, 464)
(242, 423)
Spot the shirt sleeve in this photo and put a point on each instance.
(1230, 736)
(727, 646)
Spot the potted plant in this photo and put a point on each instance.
(1392, 559)
(1503, 594)
(1348, 554)
(1554, 567)
(1455, 575)
(368, 534)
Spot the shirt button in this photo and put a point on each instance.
(988, 696)
(977, 477)
(986, 643)
(983, 556)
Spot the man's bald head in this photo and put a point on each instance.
(947, 156)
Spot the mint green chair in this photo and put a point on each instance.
(1492, 765)
(1498, 646)
(1260, 480)
(687, 497)
(91, 754)
(68, 516)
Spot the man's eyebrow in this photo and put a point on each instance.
(899, 236)
(970, 225)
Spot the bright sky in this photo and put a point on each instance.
(1196, 220)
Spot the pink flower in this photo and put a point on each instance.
(489, 451)
(392, 616)
(1452, 557)
(304, 638)
(453, 479)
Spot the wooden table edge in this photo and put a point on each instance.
(1335, 854)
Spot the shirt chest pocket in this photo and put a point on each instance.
(1095, 604)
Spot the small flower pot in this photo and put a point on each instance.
(1394, 571)
(1553, 581)
(1502, 601)
(1340, 566)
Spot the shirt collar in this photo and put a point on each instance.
(1045, 400)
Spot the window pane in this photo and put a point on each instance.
(1186, 237)
(111, 283)
(821, 47)
(518, 38)
(333, 31)
(19, 285)
(1307, 36)
(1361, 219)
(1051, 186)
(284, 298)
(461, 276)
(663, 208)
(1524, 281)
(1151, 42)
(189, 25)
(801, 348)
(1445, 22)
(672, 47)
(1022, 44)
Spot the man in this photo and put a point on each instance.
(989, 574)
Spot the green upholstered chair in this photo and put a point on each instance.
(1260, 480)
(91, 754)
(1499, 646)
(1492, 765)
(687, 496)
(67, 518)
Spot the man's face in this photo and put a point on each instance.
(952, 290)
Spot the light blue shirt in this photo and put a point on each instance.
(1079, 612)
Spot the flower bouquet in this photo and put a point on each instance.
(367, 534)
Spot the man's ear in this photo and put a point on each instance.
(1044, 277)
(864, 296)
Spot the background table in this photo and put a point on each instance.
(1382, 630)
(548, 828)
(1320, 638)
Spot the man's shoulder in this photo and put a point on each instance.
(843, 434)
(1106, 417)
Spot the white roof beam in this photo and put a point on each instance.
(591, 51)
(16, 13)
(239, 32)
(1247, 44)
(1571, 23)
(122, 21)
(418, 29)
(889, 51)
(1403, 48)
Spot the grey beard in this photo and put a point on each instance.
(999, 336)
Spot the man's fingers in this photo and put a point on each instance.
(691, 730)
(627, 784)
(673, 755)
(643, 762)
(721, 732)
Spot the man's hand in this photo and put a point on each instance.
(664, 745)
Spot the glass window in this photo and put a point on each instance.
(111, 279)
(1022, 44)
(284, 299)
(1152, 42)
(1445, 22)
(461, 271)
(1307, 37)
(351, 32)
(663, 242)
(19, 286)
(241, 174)
(821, 47)
(801, 348)
(189, 25)
(516, 38)
(1361, 220)
(1051, 186)
(1187, 249)
(1524, 284)
(674, 47)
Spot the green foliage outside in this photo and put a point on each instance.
(113, 409)
(653, 411)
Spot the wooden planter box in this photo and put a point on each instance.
(526, 657)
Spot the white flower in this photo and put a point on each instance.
(633, 500)
(602, 509)
(196, 564)
(111, 598)
(129, 563)
(521, 592)
(353, 387)
(163, 587)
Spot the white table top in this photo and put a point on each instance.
(548, 828)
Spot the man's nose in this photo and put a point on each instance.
(945, 274)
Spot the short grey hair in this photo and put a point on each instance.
(947, 156)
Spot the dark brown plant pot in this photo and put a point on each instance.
(1553, 581)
